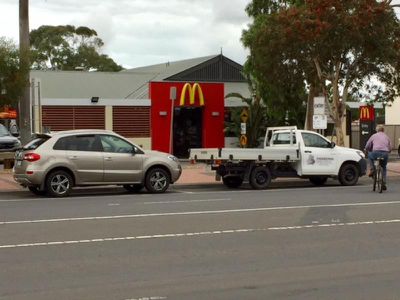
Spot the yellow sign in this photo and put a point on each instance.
(192, 94)
(243, 140)
(244, 115)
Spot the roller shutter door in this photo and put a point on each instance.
(131, 121)
(58, 118)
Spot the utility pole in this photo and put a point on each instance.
(24, 47)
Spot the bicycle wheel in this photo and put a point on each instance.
(375, 180)
(379, 179)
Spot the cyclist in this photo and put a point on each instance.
(378, 145)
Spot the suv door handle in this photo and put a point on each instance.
(108, 158)
(307, 151)
(73, 157)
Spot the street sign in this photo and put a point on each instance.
(320, 121)
(242, 128)
(319, 105)
(244, 115)
(243, 140)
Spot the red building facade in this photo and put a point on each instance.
(197, 116)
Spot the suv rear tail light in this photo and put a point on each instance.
(31, 157)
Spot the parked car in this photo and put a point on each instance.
(54, 163)
(8, 142)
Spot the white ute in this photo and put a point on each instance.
(287, 152)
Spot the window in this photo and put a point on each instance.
(78, 143)
(283, 138)
(34, 144)
(116, 145)
(313, 140)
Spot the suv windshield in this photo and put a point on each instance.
(3, 131)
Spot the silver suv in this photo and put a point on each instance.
(8, 142)
(53, 164)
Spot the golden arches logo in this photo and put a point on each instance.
(191, 89)
(364, 113)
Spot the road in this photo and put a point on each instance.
(293, 241)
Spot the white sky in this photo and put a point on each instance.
(143, 32)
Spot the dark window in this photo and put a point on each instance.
(78, 143)
(34, 144)
(283, 138)
(313, 140)
(115, 144)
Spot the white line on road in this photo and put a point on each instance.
(188, 201)
(186, 213)
(193, 234)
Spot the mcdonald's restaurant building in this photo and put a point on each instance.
(168, 107)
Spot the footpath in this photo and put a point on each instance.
(192, 174)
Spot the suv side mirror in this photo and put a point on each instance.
(333, 145)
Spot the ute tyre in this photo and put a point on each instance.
(157, 180)
(260, 178)
(348, 175)
(35, 190)
(59, 184)
(133, 188)
(232, 181)
(318, 180)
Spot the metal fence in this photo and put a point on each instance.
(393, 131)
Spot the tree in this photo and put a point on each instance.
(338, 47)
(257, 112)
(11, 75)
(69, 48)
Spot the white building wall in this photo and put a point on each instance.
(392, 113)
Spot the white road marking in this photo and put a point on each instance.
(186, 213)
(149, 298)
(113, 204)
(188, 201)
(194, 234)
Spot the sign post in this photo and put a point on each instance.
(172, 96)
(367, 124)
(243, 117)
(320, 120)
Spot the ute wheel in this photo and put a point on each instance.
(133, 188)
(59, 184)
(157, 180)
(348, 174)
(232, 181)
(318, 180)
(260, 178)
(35, 190)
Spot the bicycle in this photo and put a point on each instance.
(378, 175)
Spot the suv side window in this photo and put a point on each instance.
(114, 144)
(78, 143)
(313, 140)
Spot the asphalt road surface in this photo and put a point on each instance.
(293, 241)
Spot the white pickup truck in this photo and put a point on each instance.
(287, 152)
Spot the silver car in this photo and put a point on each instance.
(8, 142)
(54, 163)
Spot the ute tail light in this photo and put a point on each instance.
(31, 157)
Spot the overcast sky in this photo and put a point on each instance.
(144, 32)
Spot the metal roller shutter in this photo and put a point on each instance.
(58, 118)
(130, 121)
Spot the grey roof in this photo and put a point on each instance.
(108, 85)
(127, 84)
(159, 72)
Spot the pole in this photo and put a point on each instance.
(24, 103)
(172, 96)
